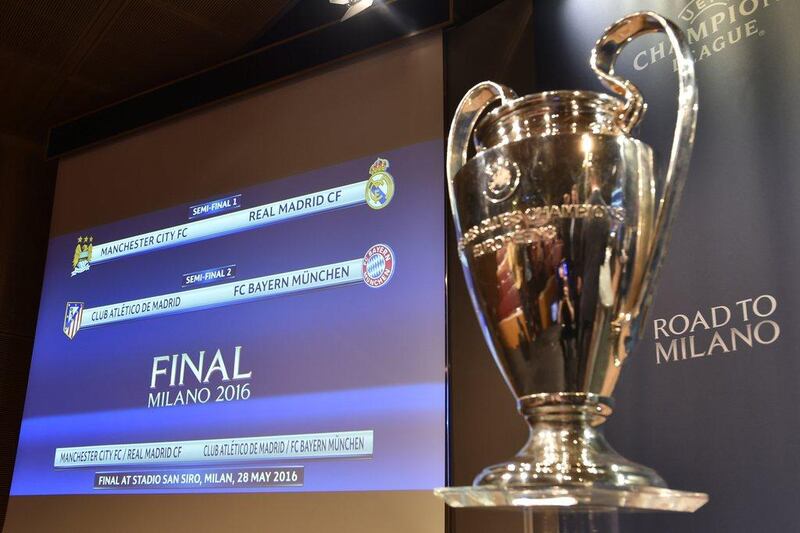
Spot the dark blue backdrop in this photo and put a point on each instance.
(726, 424)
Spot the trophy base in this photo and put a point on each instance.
(567, 463)
(575, 499)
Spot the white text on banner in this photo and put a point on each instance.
(255, 217)
(226, 294)
(246, 449)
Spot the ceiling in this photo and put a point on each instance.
(60, 58)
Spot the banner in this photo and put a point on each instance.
(708, 397)
(248, 449)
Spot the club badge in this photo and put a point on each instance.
(72, 319)
(380, 185)
(378, 266)
(83, 255)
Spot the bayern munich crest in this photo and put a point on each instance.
(378, 265)
(380, 185)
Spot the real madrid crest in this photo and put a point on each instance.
(380, 185)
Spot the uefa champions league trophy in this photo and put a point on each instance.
(561, 235)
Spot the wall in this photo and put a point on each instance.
(26, 193)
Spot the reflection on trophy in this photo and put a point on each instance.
(561, 230)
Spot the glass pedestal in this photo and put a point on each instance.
(573, 509)
(553, 521)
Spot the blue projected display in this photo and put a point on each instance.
(284, 337)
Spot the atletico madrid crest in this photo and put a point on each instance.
(72, 319)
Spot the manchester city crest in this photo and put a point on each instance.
(83, 255)
(380, 185)
(72, 319)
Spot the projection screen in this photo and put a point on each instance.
(242, 322)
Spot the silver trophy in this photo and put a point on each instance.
(561, 235)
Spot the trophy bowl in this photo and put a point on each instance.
(561, 234)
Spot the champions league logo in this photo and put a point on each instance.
(503, 180)
(72, 319)
(711, 26)
(378, 266)
(83, 255)
(380, 185)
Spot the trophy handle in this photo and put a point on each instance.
(603, 56)
(469, 110)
